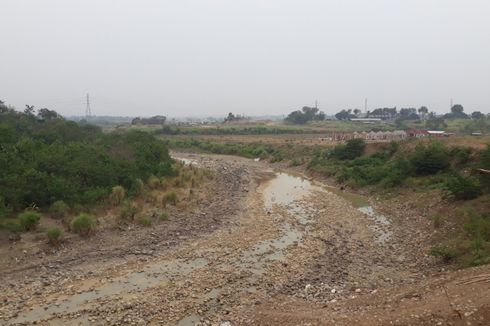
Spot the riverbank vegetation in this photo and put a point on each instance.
(440, 169)
(71, 173)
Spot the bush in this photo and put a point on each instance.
(138, 187)
(477, 225)
(447, 254)
(163, 217)
(117, 195)
(144, 220)
(351, 150)
(59, 209)
(29, 220)
(463, 188)
(54, 235)
(170, 197)
(153, 182)
(129, 210)
(429, 159)
(83, 224)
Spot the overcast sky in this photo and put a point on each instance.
(210, 57)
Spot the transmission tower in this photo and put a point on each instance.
(88, 111)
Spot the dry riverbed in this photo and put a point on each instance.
(263, 247)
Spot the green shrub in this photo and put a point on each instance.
(129, 210)
(138, 187)
(429, 159)
(153, 182)
(54, 235)
(351, 150)
(29, 220)
(463, 188)
(117, 195)
(83, 224)
(447, 254)
(144, 220)
(59, 209)
(477, 225)
(94, 196)
(170, 197)
(163, 217)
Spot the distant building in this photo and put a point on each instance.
(417, 133)
(436, 133)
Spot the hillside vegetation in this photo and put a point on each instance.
(45, 159)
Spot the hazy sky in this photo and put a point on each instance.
(209, 57)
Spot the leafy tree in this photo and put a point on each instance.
(457, 112)
(46, 114)
(29, 110)
(408, 114)
(476, 115)
(423, 111)
(304, 115)
(345, 115)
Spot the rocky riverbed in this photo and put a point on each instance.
(262, 247)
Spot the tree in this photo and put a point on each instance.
(304, 115)
(357, 112)
(230, 117)
(408, 114)
(436, 123)
(423, 110)
(3, 107)
(345, 115)
(29, 110)
(457, 112)
(477, 115)
(46, 114)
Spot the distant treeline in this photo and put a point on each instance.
(45, 158)
(257, 130)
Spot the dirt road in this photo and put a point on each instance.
(263, 247)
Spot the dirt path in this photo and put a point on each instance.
(266, 248)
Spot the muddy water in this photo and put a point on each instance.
(285, 189)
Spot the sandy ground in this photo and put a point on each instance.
(261, 248)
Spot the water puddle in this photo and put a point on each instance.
(151, 275)
(284, 189)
